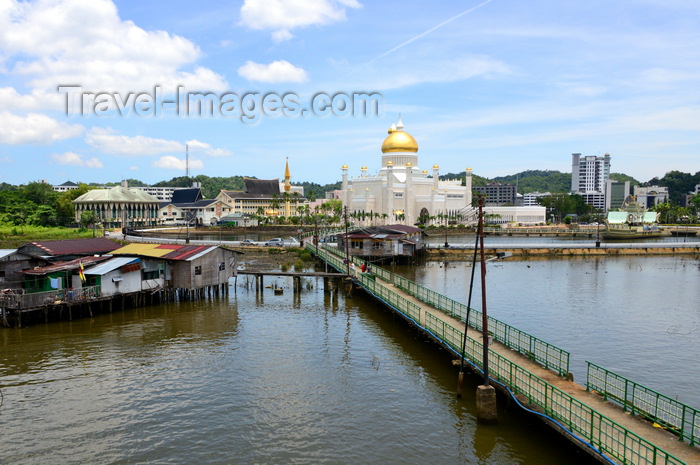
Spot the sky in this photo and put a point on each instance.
(95, 90)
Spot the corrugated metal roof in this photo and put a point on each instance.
(167, 251)
(65, 266)
(6, 252)
(96, 245)
(110, 265)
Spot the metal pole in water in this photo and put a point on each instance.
(466, 322)
(485, 394)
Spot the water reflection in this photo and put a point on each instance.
(252, 378)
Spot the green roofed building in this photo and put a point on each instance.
(119, 206)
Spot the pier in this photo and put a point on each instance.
(295, 275)
(610, 417)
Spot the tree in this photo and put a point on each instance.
(88, 218)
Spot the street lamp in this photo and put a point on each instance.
(447, 222)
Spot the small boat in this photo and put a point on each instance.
(632, 221)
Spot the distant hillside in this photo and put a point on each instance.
(678, 184)
(538, 181)
(210, 186)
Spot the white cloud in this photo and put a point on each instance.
(282, 35)
(74, 159)
(196, 147)
(13, 100)
(134, 168)
(34, 129)
(85, 42)
(107, 141)
(173, 163)
(277, 71)
(283, 15)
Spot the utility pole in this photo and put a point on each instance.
(486, 411)
(347, 250)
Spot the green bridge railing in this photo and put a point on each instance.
(550, 356)
(601, 432)
(667, 412)
(598, 430)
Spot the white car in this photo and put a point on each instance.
(276, 242)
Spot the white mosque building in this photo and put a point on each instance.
(403, 193)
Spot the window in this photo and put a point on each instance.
(222, 266)
(152, 274)
(197, 270)
(356, 244)
(377, 246)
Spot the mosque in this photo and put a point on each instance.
(403, 193)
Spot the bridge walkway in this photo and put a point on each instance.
(643, 428)
(616, 435)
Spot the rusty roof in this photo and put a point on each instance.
(66, 266)
(167, 251)
(96, 245)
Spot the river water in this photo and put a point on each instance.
(638, 316)
(257, 378)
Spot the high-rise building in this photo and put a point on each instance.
(589, 176)
(615, 194)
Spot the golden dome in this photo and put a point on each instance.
(390, 163)
(425, 171)
(409, 164)
(363, 168)
(399, 141)
(345, 167)
(436, 167)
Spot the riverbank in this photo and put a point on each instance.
(563, 250)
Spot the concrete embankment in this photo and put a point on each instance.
(563, 251)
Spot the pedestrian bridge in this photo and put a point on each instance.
(613, 418)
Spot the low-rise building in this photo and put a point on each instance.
(119, 206)
(68, 249)
(123, 275)
(264, 197)
(649, 196)
(185, 266)
(515, 215)
(496, 193)
(12, 263)
(395, 240)
(190, 205)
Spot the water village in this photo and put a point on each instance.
(55, 280)
(135, 264)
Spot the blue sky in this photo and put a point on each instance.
(499, 86)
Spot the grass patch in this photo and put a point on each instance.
(12, 236)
